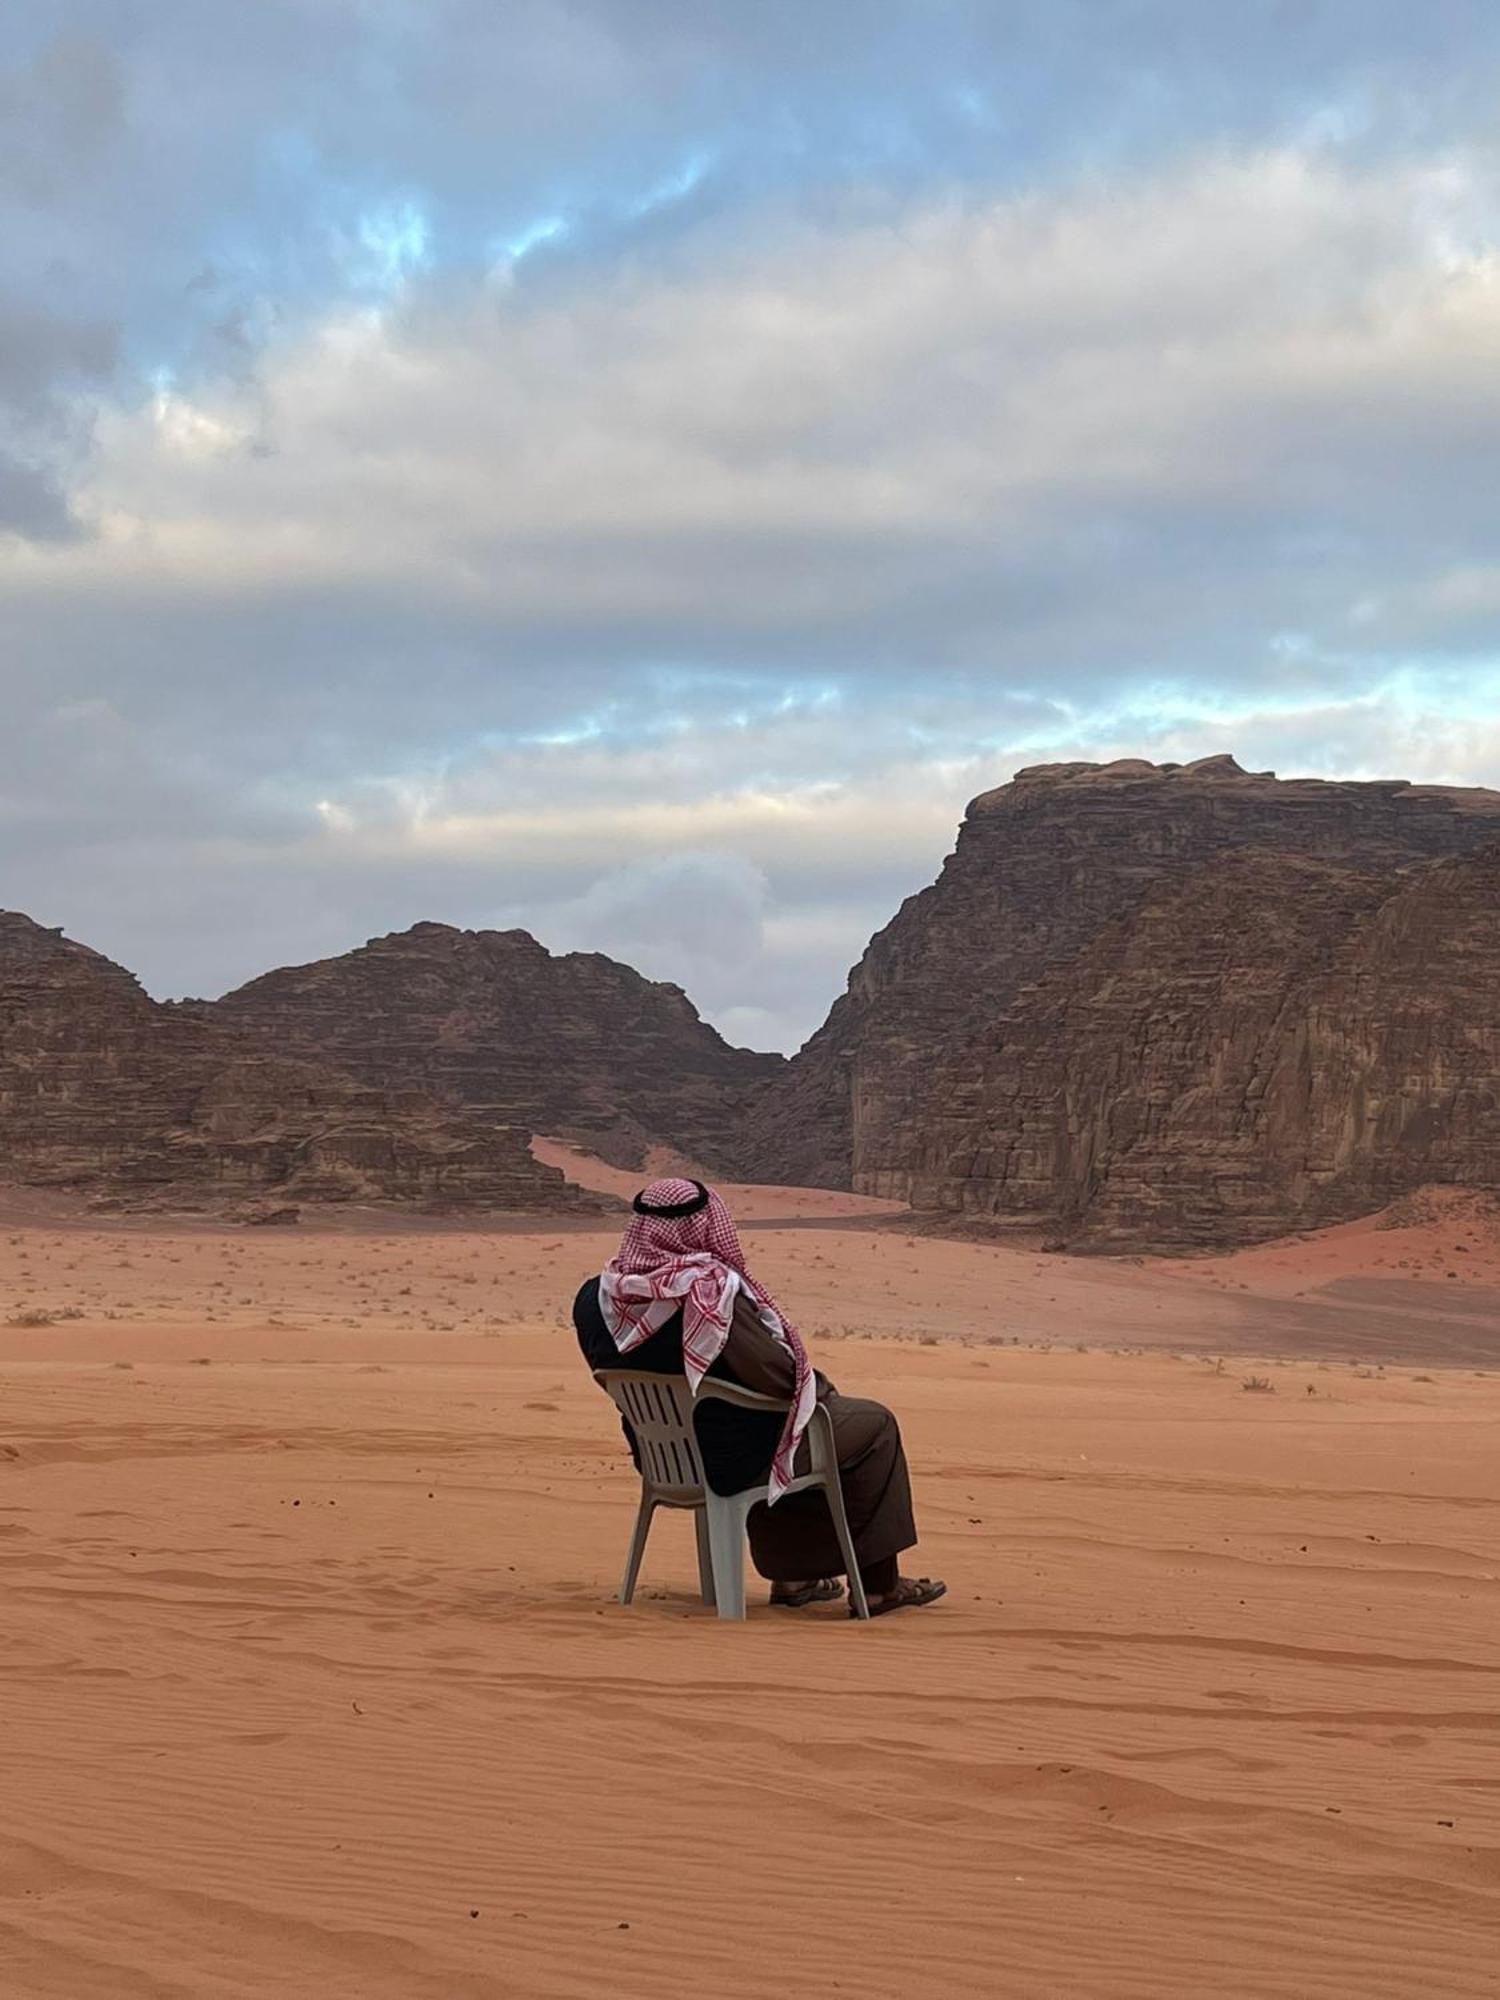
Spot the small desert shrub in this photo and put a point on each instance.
(32, 1316)
(1261, 1385)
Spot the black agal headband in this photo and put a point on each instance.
(699, 1200)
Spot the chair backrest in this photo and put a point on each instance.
(659, 1409)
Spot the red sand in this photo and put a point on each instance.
(751, 1201)
(312, 1683)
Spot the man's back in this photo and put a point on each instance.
(737, 1445)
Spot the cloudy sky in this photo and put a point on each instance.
(635, 468)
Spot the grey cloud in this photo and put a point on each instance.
(992, 447)
(43, 357)
(761, 927)
(41, 350)
(1051, 380)
(251, 137)
(59, 112)
(1013, 465)
(32, 504)
(696, 919)
(146, 145)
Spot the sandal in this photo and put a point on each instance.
(910, 1592)
(822, 1590)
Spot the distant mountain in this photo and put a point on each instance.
(1155, 1005)
(106, 1090)
(577, 1045)
(1169, 1005)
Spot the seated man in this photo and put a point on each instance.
(675, 1299)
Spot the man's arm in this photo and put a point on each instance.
(754, 1356)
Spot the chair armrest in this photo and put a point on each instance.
(712, 1389)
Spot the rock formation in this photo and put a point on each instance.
(102, 1088)
(576, 1046)
(1147, 1005)
(1170, 1005)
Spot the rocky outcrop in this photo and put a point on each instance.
(104, 1089)
(1148, 1005)
(1270, 1044)
(1170, 1005)
(576, 1046)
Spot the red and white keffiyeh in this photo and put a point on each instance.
(694, 1261)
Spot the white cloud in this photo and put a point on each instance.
(1255, 379)
(677, 611)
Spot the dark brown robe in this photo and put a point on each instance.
(795, 1538)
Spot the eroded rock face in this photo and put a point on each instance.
(104, 1089)
(576, 1046)
(1169, 1005)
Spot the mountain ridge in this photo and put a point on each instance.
(1165, 1005)
(575, 1045)
(108, 1091)
(907, 1063)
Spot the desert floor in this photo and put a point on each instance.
(311, 1682)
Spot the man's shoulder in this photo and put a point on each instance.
(586, 1298)
(594, 1343)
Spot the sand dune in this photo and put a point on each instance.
(752, 1201)
(312, 1684)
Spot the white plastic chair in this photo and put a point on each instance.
(659, 1409)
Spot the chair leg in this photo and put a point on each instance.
(705, 1556)
(834, 1494)
(726, 1540)
(637, 1545)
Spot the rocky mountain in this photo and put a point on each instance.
(1155, 1005)
(576, 1046)
(1169, 1004)
(103, 1088)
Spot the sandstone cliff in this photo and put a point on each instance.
(576, 1045)
(1168, 1004)
(104, 1089)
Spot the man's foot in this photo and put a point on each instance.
(909, 1594)
(812, 1590)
